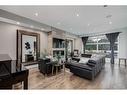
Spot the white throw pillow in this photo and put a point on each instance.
(84, 60)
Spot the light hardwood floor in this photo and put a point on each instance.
(111, 77)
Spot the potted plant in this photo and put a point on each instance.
(58, 57)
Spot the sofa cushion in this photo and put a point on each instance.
(98, 55)
(84, 60)
(94, 59)
(86, 55)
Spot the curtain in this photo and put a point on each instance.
(66, 50)
(84, 40)
(112, 38)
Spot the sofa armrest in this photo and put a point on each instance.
(91, 64)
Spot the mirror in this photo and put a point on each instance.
(28, 46)
(70, 46)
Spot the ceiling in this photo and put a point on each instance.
(78, 20)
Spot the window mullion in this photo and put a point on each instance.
(97, 44)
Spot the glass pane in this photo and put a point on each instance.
(92, 40)
(91, 47)
(103, 40)
(104, 47)
(116, 47)
(107, 47)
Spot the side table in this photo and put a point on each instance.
(57, 66)
(122, 59)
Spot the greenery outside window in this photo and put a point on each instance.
(100, 44)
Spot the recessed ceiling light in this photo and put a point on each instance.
(18, 23)
(36, 14)
(88, 24)
(32, 26)
(77, 14)
(110, 22)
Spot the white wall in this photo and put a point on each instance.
(122, 48)
(79, 44)
(8, 39)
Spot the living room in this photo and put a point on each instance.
(63, 47)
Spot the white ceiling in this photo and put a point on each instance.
(65, 17)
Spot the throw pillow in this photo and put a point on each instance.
(83, 60)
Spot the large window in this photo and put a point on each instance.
(100, 44)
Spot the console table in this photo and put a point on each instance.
(5, 63)
(10, 77)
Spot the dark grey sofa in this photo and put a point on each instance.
(90, 69)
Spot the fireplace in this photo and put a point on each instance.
(29, 58)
